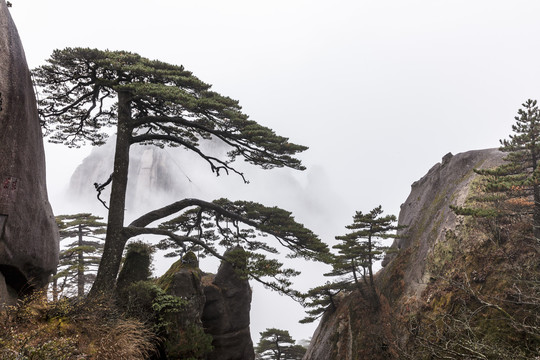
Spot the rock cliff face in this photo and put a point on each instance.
(28, 232)
(426, 212)
(406, 284)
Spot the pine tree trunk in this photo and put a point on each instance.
(370, 260)
(536, 212)
(55, 289)
(115, 239)
(536, 194)
(80, 265)
(372, 291)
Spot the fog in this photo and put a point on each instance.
(379, 91)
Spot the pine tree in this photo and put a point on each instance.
(361, 248)
(512, 190)
(321, 299)
(84, 91)
(80, 258)
(276, 344)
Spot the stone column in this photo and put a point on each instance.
(28, 232)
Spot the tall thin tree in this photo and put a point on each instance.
(79, 258)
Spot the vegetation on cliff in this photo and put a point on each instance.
(71, 329)
(512, 191)
(461, 286)
(358, 251)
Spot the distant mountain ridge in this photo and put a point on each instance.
(152, 173)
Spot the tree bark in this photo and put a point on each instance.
(536, 194)
(80, 264)
(115, 239)
(55, 289)
(370, 259)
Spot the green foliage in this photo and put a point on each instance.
(227, 223)
(511, 192)
(476, 212)
(224, 224)
(169, 106)
(164, 305)
(148, 302)
(80, 258)
(183, 339)
(277, 344)
(361, 248)
(191, 344)
(137, 301)
(320, 299)
(357, 253)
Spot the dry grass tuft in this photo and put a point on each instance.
(126, 340)
(72, 329)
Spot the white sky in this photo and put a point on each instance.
(379, 90)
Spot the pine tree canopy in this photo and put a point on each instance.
(205, 226)
(79, 258)
(360, 248)
(277, 344)
(512, 190)
(523, 148)
(70, 225)
(168, 104)
(322, 298)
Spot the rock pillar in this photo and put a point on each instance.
(28, 232)
(226, 312)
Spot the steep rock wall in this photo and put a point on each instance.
(426, 214)
(28, 233)
(355, 330)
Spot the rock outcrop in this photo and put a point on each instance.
(356, 330)
(183, 333)
(28, 232)
(183, 279)
(226, 314)
(219, 304)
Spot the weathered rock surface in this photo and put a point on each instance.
(426, 212)
(28, 232)
(184, 280)
(183, 333)
(219, 304)
(354, 331)
(226, 314)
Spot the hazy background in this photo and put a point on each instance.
(379, 90)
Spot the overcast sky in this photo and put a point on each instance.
(379, 90)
